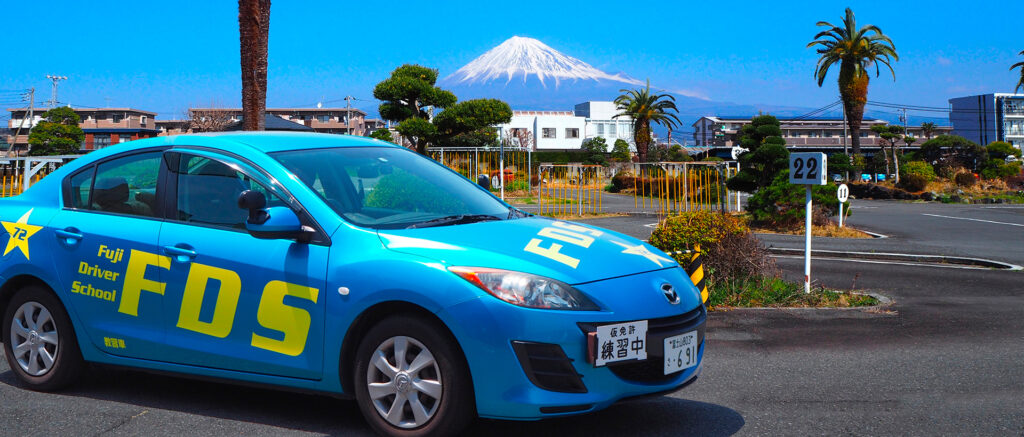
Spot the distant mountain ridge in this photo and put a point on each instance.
(530, 75)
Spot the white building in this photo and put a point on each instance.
(566, 130)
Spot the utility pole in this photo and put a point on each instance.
(31, 97)
(348, 115)
(903, 118)
(53, 97)
(845, 151)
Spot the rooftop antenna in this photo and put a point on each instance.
(53, 97)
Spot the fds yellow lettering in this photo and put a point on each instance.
(293, 323)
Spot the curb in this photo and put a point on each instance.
(934, 259)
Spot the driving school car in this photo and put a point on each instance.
(341, 265)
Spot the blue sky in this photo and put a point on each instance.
(167, 56)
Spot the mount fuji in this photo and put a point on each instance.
(530, 75)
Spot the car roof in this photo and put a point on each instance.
(266, 142)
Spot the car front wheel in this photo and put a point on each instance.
(411, 379)
(39, 342)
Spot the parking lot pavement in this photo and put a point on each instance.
(944, 359)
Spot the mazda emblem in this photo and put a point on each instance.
(670, 293)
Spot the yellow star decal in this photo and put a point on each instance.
(20, 231)
(644, 252)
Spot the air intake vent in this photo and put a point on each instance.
(548, 367)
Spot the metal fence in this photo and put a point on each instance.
(18, 174)
(572, 188)
(473, 162)
(668, 187)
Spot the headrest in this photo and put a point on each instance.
(110, 191)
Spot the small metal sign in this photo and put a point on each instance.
(843, 193)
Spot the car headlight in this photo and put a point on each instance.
(526, 290)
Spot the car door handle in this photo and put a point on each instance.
(69, 236)
(181, 254)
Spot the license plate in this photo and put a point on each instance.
(680, 352)
(621, 342)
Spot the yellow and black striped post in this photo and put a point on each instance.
(696, 271)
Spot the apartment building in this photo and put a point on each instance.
(102, 126)
(816, 134)
(324, 120)
(989, 117)
(567, 130)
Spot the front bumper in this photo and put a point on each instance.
(508, 387)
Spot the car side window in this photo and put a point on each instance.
(208, 192)
(81, 186)
(125, 185)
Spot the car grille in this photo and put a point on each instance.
(548, 367)
(652, 369)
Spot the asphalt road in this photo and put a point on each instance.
(943, 359)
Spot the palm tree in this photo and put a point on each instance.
(645, 108)
(928, 129)
(856, 50)
(254, 31)
(1020, 83)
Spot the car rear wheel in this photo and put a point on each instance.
(411, 379)
(39, 342)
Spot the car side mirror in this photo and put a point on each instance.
(276, 222)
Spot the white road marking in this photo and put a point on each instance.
(652, 225)
(975, 220)
(899, 263)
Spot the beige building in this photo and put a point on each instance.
(324, 120)
(816, 133)
(102, 126)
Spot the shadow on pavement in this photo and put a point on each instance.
(330, 416)
(656, 416)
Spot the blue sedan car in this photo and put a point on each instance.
(341, 265)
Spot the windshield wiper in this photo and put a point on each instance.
(514, 212)
(453, 220)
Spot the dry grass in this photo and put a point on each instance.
(832, 230)
(585, 216)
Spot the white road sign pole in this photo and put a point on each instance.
(807, 243)
(807, 168)
(842, 193)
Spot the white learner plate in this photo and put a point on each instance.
(621, 342)
(680, 352)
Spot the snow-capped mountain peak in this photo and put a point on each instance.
(525, 57)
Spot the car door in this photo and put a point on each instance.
(238, 302)
(106, 256)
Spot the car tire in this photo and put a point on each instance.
(430, 385)
(39, 341)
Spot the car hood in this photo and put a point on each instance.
(571, 252)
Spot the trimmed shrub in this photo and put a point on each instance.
(913, 182)
(997, 169)
(964, 179)
(730, 250)
(919, 168)
(782, 203)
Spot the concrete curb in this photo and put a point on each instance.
(933, 259)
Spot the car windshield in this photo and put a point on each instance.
(391, 188)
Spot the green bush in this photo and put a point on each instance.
(729, 249)
(918, 168)
(782, 203)
(964, 179)
(913, 182)
(1001, 149)
(621, 181)
(997, 169)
